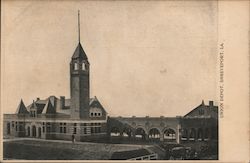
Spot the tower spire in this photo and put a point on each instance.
(79, 26)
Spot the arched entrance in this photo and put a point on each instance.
(140, 134)
(28, 131)
(169, 135)
(154, 134)
(39, 132)
(33, 131)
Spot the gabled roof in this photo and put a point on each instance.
(33, 105)
(51, 105)
(49, 109)
(94, 102)
(211, 109)
(21, 109)
(79, 53)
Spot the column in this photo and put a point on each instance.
(177, 136)
(161, 136)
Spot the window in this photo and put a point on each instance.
(43, 127)
(63, 128)
(28, 134)
(16, 126)
(76, 66)
(8, 128)
(85, 130)
(95, 114)
(201, 112)
(83, 66)
(48, 127)
(33, 113)
(75, 125)
(97, 129)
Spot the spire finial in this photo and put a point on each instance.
(79, 26)
(202, 102)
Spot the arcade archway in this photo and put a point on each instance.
(33, 131)
(169, 135)
(127, 132)
(154, 134)
(140, 134)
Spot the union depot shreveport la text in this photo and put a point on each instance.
(87, 119)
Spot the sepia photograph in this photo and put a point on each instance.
(112, 80)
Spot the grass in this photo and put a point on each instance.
(43, 150)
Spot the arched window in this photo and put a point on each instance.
(76, 66)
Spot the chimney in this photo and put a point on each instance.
(211, 103)
(37, 99)
(62, 102)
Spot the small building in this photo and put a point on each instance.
(200, 124)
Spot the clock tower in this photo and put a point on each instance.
(79, 82)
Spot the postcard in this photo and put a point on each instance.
(124, 80)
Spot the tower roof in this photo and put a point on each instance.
(21, 109)
(79, 53)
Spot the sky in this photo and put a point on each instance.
(147, 58)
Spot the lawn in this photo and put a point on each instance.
(44, 150)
